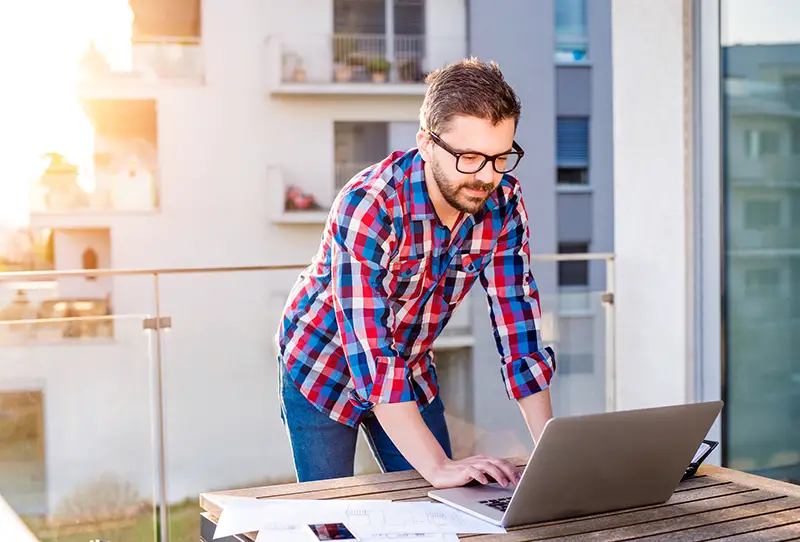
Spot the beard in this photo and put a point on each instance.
(454, 195)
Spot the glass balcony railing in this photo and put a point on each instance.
(78, 412)
(124, 181)
(155, 59)
(570, 49)
(765, 239)
(769, 172)
(114, 437)
(344, 171)
(361, 58)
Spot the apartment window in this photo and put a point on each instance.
(573, 273)
(794, 275)
(791, 85)
(794, 127)
(573, 176)
(409, 17)
(22, 464)
(356, 146)
(572, 42)
(370, 17)
(761, 143)
(379, 40)
(572, 150)
(761, 213)
(794, 209)
(359, 16)
(761, 282)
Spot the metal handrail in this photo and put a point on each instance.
(158, 407)
(10, 276)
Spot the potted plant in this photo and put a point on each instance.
(410, 71)
(343, 48)
(293, 69)
(379, 69)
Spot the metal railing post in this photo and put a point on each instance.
(391, 54)
(157, 324)
(610, 351)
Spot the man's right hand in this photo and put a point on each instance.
(450, 473)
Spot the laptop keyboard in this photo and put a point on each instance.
(498, 504)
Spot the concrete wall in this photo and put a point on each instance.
(650, 202)
(601, 137)
(522, 45)
(446, 28)
(69, 248)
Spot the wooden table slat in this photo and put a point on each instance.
(699, 481)
(737, 526)
(719, 488)
(710, 493)
(591, 524)
(684, 523)
(302, 491)
(784, 533)
(365, 487)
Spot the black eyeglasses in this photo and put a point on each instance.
(472, 161)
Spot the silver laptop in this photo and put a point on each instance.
(595, 463)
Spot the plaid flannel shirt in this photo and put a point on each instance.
(359, 323)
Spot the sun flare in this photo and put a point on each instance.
(41, 44)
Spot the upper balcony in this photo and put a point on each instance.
(357, 64)
(120, 178)
(764, 240)
(149, 44)
(123, 184)
(770, 172)
(572, 49)
(142, 64)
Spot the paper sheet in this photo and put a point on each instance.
(364, 518)
(411, 537)
(305, 535)
(298, 533)
(244, 515)
(417, 517)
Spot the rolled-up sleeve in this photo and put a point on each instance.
(527, 365)
(362, 240)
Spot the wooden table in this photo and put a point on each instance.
(718, 504)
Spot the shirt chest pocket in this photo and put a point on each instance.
(468, 264)
(462, 272)
(409, 278)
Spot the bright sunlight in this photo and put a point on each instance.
(41, 43)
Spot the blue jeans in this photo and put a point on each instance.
(323, 448)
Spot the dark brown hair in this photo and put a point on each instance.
(468, 87)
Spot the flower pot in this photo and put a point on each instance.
(342, 73)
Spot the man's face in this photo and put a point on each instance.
(468, 192)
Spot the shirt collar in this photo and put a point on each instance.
(421, 206)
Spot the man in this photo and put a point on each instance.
(405, 241)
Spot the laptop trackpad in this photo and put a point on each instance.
(489, 501)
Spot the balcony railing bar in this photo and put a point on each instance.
(48, 275)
